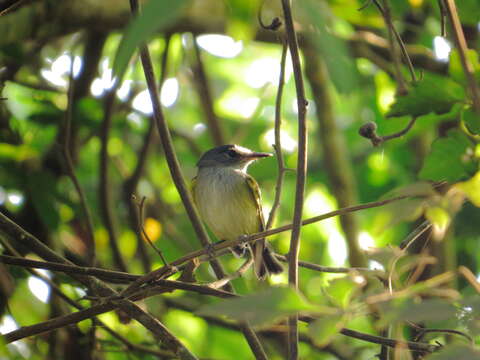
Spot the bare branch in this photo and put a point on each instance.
(301, 172)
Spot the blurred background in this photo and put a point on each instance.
(218, 72)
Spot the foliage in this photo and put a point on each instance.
(401, 268)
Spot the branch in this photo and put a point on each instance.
(462, 51)
(301, 172)
(94, 286)
(278, 138)
(369, 131)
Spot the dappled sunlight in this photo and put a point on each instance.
(289, 144)
(441, 48)
(60, 68)
(38, 287)
(220, 45)
(15, 198)
(317, 202)
(169, 93)
(265, 70)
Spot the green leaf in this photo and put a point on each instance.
(438, 216)
(262, 307)
(44, 195)
(432, 94)
(457, 352)
(446, 160)
(471, 120)
(323, 329)
(471, 188)
(455, 67)
(156, 14)
(332, 49)
(341, 290)
(434, 310)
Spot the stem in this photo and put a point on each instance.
(301, 172)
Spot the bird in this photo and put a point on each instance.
(229, 201)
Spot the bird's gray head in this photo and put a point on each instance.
(233, 156)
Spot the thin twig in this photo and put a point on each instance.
(239, 273)
(406, 244)
(71, 170)
(141, 206)
(301, 172)
(462, 51)
(443, 15)
(278, 139)
(94, 286)
(369, 131)
(57, 291)
(274, 24)
(130, 184)
(158, 273)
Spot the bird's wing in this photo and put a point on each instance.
(193, 186)
(257, 198)
(259, 246)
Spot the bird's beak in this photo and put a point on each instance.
(257, 155)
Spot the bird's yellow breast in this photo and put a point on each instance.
(225, 202)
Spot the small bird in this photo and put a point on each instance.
(229, 201)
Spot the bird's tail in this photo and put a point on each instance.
(264, 261)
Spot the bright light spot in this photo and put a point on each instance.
(441, 48)
(317, 203)
(135, 119)
(337, 248)
(124, 90)
(3, 195)
(199, 128)
(386, 98)
(288, 143)
(7, 325)
(105, 82)
(375, 265)
(80, 292)
(15, 198)
(38, 287)
(60, 67)
(142, 102)
(169, 93)
(245, 107)
(359, 279)
(62, 64)
(97, 87)
(220, 45)
(264, 71)
(77, 66)
(365, 241)
(378, 162)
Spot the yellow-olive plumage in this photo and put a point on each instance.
(229, 200)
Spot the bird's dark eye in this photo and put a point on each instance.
(232, 153)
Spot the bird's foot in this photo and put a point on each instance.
(239, 250)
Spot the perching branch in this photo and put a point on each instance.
(301, 172)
